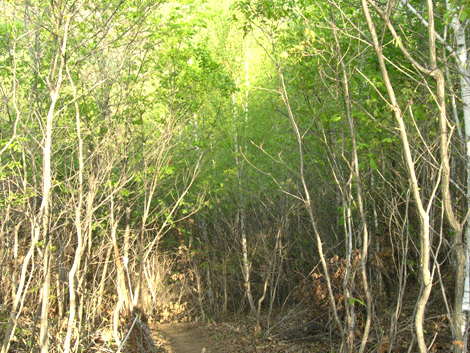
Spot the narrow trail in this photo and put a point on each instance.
(184, 338)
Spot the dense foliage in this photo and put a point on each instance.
(306, 163)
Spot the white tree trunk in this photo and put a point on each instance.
(426, 279)
(78, 224)
(241, 192)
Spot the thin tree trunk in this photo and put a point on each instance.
(462, 290)
(125, 301)
(359, 192)
(308, 203)
(42, 225)
(459, 317)
(208, 256)
(20, 294)
(426, 280)
(241, 193)
(462, 276)
(56, 75)
(104, 275)
(224, 272)
(78, 224)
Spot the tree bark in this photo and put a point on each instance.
(43, 226)
(78, 223)
(241, 192)
(308, 204)
(426, 280)
(359, 195)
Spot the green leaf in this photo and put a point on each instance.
(361, 145)
(463, 16)
(124, 192)
(372, 163)
(398, 42)
(353, 300)
(138, 121)
(335, 118)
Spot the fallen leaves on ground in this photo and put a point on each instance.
(237, 336)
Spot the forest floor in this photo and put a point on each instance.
(226, 337)
(238, 335)
(184, 338)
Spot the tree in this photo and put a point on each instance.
(433, 71)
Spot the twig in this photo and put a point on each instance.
(435, 336)
(128, 334)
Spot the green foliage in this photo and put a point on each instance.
(353, 300)
(192, 88)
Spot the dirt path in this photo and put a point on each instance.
(185, 338)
